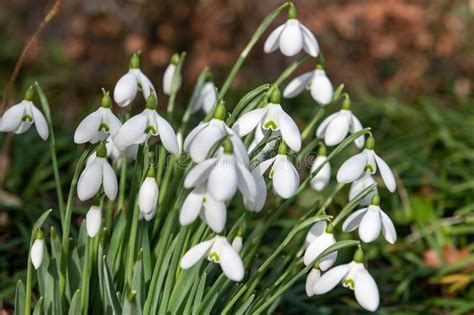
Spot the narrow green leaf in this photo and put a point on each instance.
(38, 310)
(242, 309)
(75, 306)
(20, 298)
(110, 287)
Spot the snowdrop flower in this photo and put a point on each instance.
(133, 81)
(318, 239)
(148, 123)
(224, 175)
(37, 250)
(271, 117)
(202, 138)
(207, 98)
(147, 216)
(219, 251)
(285, 177)
(367, 161)
(335, 127)
(98, 125)
(19, 118)
(317, 81)
(257, 204)
(359, 185)
(313, 276)
(354, 276)
(321, 179)
(200, 202)
(291, 38)
(93, 220)
(169, 74)
(148, 194)
(97, 173)
(371, 221)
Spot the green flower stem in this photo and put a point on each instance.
(28, 286)
(175, 84)
(290, 69)
(243, 55)
(52, 149)
(123, 174)
(67, 223)
(85, 278)
(245, 101)
(352, 204)
(309, 128)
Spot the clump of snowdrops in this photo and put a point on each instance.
(185, 235)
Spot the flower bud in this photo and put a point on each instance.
(93, 221)
(37, 250)
(148, 194)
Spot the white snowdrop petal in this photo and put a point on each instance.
(257, 204)
(240, 151)
(313, 276)
(359, 185)
(230, 262)
(249, 121)
(90, 180)
(353, 221)
(316, 247)
(370, 225)
(386, 174)
(327, 261)
(112, 121)
(222, 182)
(291, 38)
(148, 195)
(297, 85)
(207, 98)
(215, 213)
(149, 216)
(203, 142)
(191, 207)
(168, 78)
(37, 253)
(388, 229)
(272, 42)
(337, 128)
(192, 135)
(167, 135)
(93, 221)
(321, 179)
(195, 254)
(355, 127)
(246, 182)
(316, 230)
(40, 123)
(12, 117)
(323, 126)
(262, 167)
(199, 173)
(237, 244)
(131, 131)
(146, 84)
(310, 44)
(289, 131)
(321, 88)
(88, 128)
(366, 291)
(109, 181)
(126, 89)
(330, 279)
(352, 168)
(285, 178)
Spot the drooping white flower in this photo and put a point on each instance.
(148, 193)
(200, 202)
(97, 173)
(318, 239)
(366, 161)
(169, 74)
(223, 175)
(313, 276)
(371, 221)
(321, 179)
(271, 117)
(148, 123)
(19, 118)
(98, 125)
(37, 250)
(354, 276)
(291, 38)
(335, 127)
(359, 185)
(201, 139)
(207, 98)
(93, 220)
(285, 177)
(219, 251)
(317, 81)
(133, 81)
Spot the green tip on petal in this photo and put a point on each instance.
(370, 143)
(330, 228)
(316, 266)
(219, 112)
(322, 150)
(228, 147)
(282, 148)
(30, 92)
(208, 77)
(106, 102)
(174, 59)
(240, 231)
(39, 235)
(291, 12)
(346, 104)
(151, 101)
(134, 61)
(359, 255)
(275, 97)
(150, 172)
(375, 201)
(101, 150)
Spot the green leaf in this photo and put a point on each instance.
(38, 225)
(38, 310)
(110, 287)
(75, 306)
(20, 298)
(199, 293)
(138, 281)
(242, 309)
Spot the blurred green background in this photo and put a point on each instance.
(408, 65)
